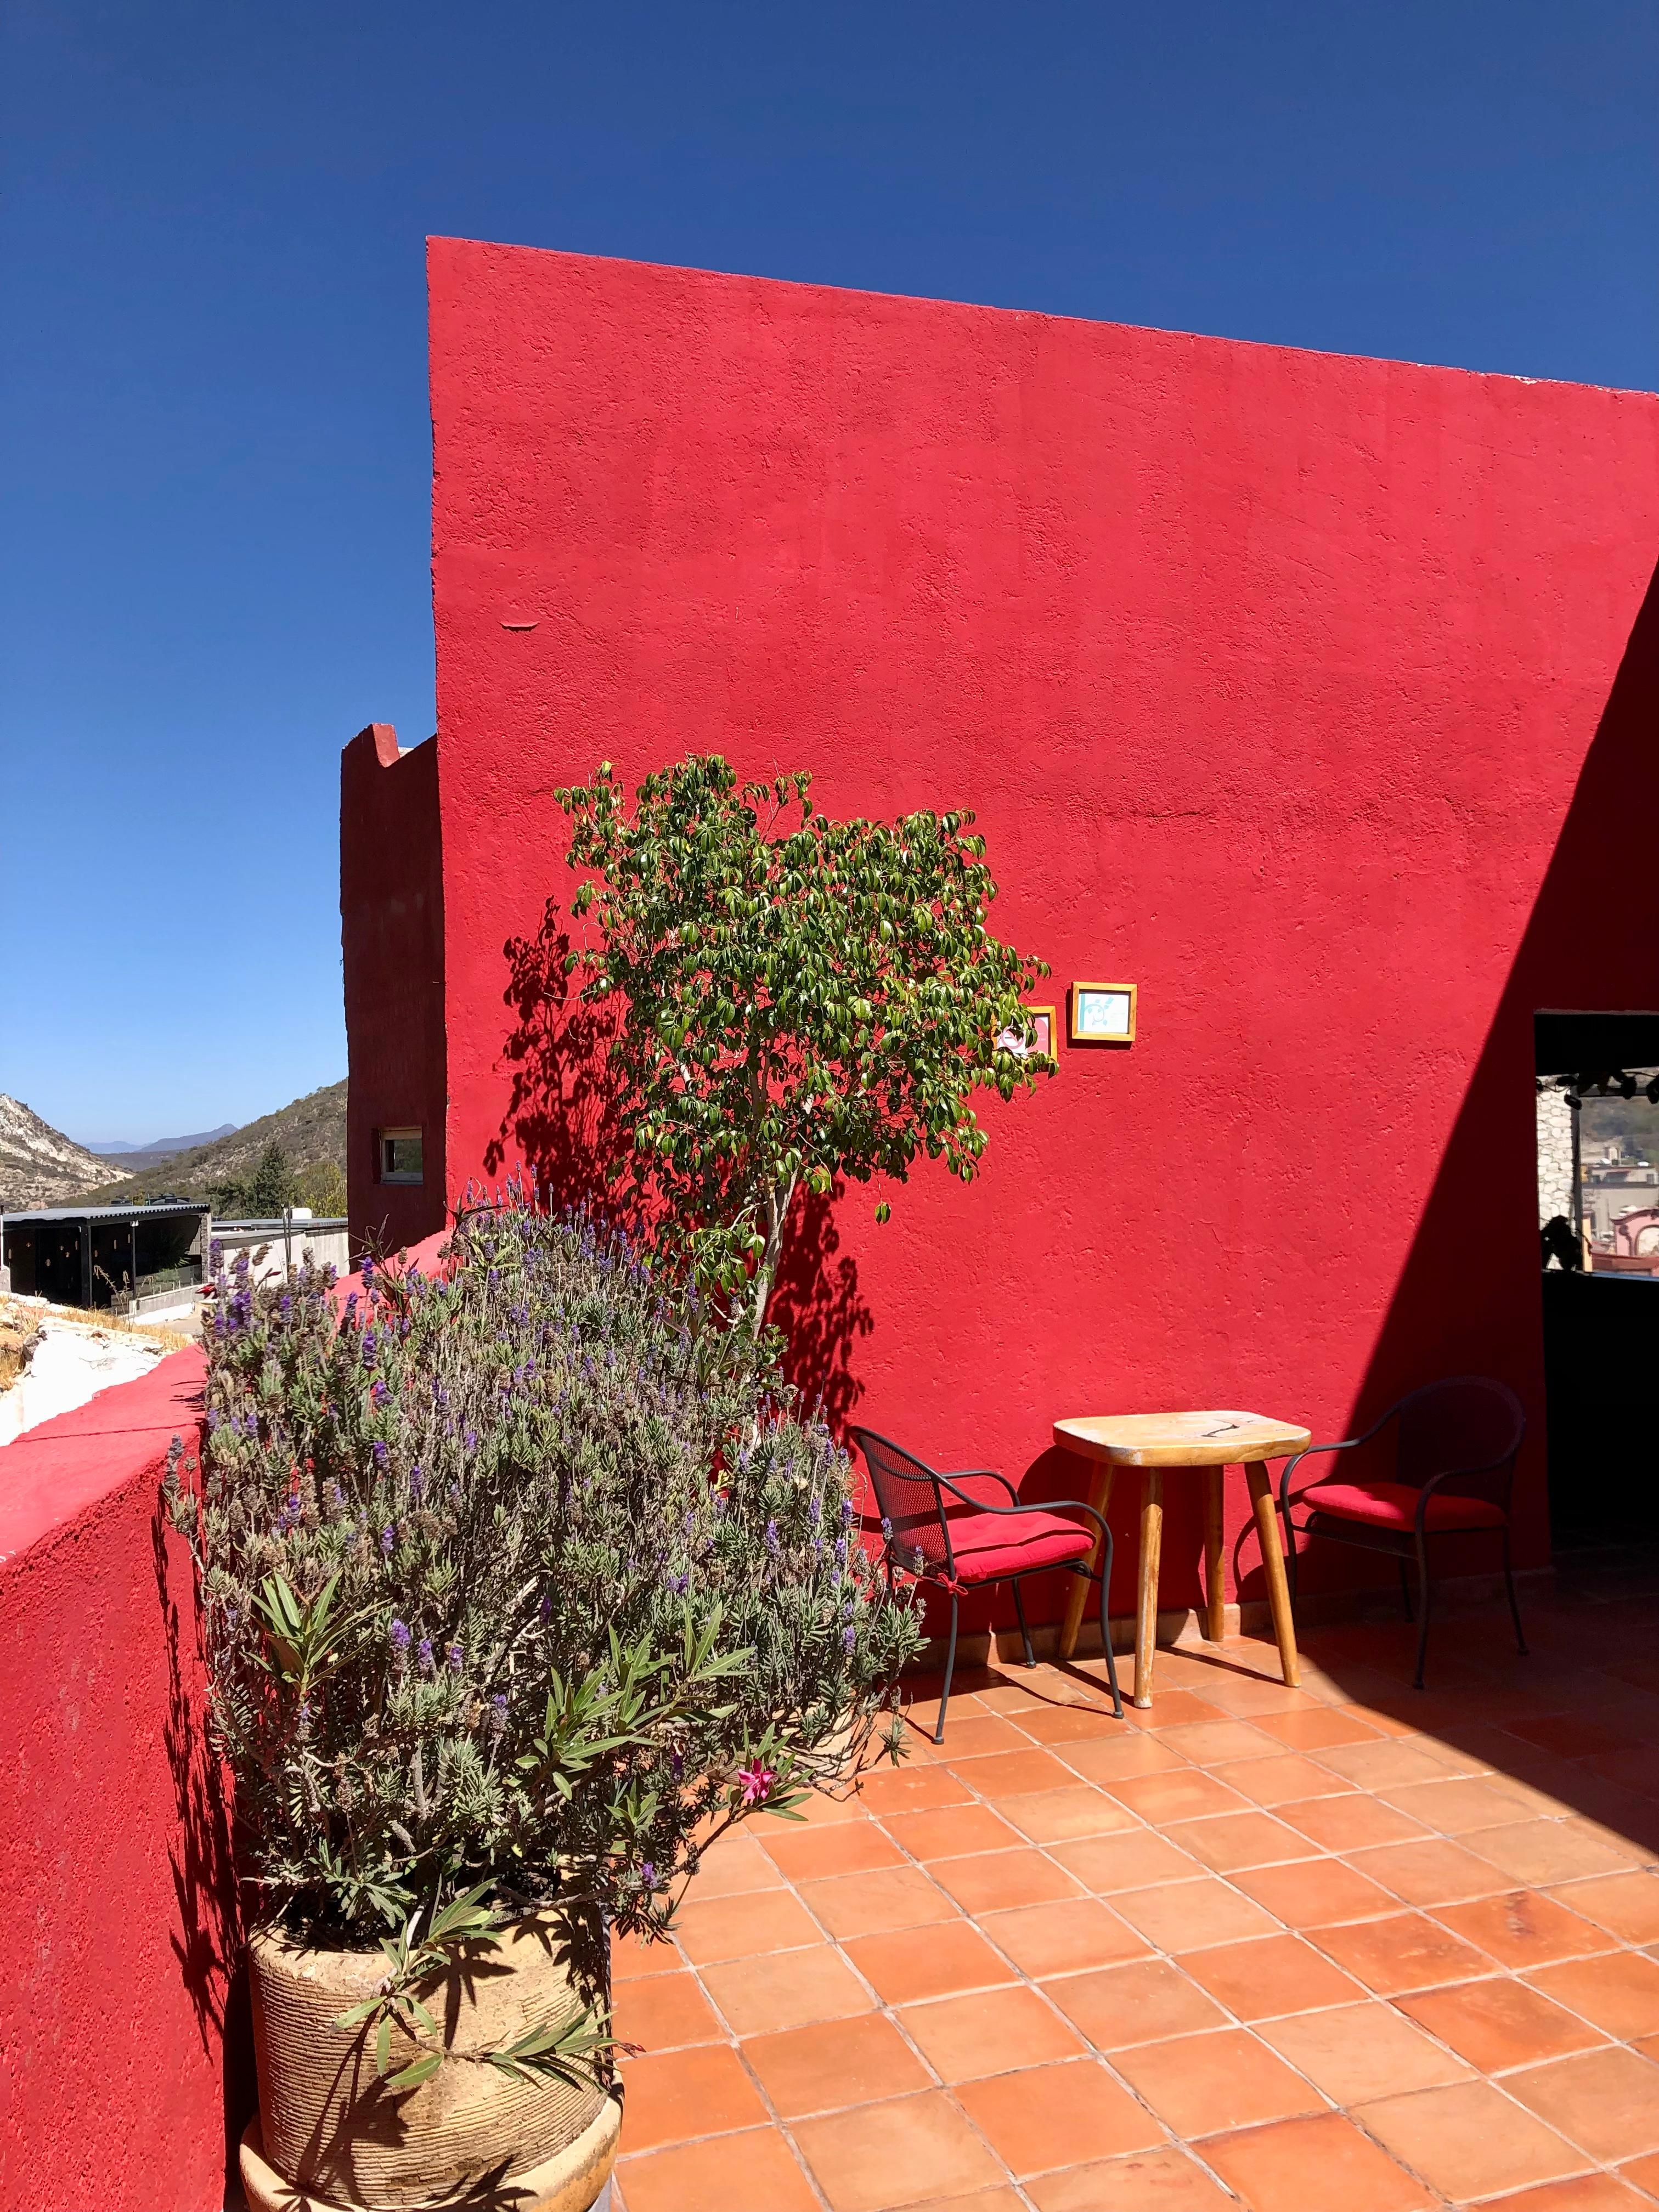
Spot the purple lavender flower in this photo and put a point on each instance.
(649, 1873)
(498, 1716)
(352, 1303)
(388, 1542)
(333, 1497)
(216, 1256)
(416, 1484)
(544, 1608)
(400, 1637)
(367, 1347)
(848, 1638)
(846, 1512)
(368, 1276)
(471, 1441)
(679, 1584)
(424, 1654)
(771, 1541)
(456, 1658)
(378, 1450)
(841, 1551)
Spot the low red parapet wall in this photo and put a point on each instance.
(118, 2081)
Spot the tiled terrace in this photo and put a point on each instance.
(1343, 1948)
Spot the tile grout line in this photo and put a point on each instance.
(1138, 1823)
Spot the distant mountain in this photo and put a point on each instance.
(311, 1130)
(39, 1164)
(136, 1157)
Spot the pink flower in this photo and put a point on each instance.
(756, 1782)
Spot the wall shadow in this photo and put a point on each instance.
(206, 1939)
(1469, 1300)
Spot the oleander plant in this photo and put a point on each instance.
(523, 1580)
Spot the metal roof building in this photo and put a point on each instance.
(96, 1255)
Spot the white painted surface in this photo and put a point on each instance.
(72, 1363)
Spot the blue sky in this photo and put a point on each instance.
(212, 365)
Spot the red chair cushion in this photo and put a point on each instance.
(989, 1547)
(1393, 1505)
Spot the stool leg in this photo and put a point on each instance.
(1152, 1545)
(1214, 1585)
(1273, 1565)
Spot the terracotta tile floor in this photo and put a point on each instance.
(1348, 1949)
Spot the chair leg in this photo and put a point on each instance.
(1289, 1559)
(1514, 1610)
(1405, 1588)
(1025, 1632)
(950, 1669)
(1106, 1625)
(1423, 1598)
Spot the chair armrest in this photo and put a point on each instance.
(1348, 1443)
(983, 1474)
(1453, 1474)
(1285, 1500)
(1002, 1512)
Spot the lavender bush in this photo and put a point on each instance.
(520, 1585)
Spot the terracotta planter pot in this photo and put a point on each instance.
(331, 2132)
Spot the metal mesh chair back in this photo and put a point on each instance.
(1468, 1421)
(911, 1503)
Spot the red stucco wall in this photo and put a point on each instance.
(1270, 677)
(114, 2078)
(391, 932)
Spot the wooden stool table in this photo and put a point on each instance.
(1153, 1442)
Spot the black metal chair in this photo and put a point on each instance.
(964, 1547)
(1454, 1469)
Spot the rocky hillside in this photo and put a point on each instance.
(310, 1130)
(40, 1166)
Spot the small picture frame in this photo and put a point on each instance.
(1102, 1013)
(1047, 1029)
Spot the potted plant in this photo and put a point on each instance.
(521, 1582)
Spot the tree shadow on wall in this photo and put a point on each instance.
(206, 1939)
(818, 1305)
(563, 1117)
(566, 1120)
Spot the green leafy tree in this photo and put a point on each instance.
(272, 1186)
(796, 999)
(322, 1186)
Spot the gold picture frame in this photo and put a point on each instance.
(1102, 1013)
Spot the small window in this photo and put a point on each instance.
(400, 1156)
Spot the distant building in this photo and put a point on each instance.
(274, 1246)
(129, 1257)
(1614, 1188)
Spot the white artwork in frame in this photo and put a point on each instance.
(1102, 1013)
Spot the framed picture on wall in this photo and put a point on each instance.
(1045, 1031)
(1102, 1013)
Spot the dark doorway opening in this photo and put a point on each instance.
(1598, 1203)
